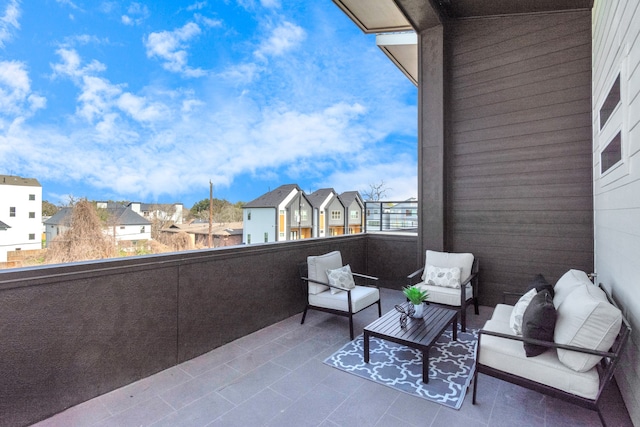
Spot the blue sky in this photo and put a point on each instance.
(148, 101)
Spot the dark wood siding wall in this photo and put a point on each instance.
(519, 147)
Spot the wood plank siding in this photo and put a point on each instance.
(519, 175)
(616, 53)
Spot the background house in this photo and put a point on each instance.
(328, 213)
(162, 212)
(20, 214)
(354, 212)
(223, 234)
(121, 222)
(279, 215)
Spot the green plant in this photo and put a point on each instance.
(415, 294)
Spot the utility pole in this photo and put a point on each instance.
(210, 213)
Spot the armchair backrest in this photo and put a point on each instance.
(449, 260)
(318, 266)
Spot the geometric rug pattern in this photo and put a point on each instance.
(451, 366)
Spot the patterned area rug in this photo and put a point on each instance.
(451, 366)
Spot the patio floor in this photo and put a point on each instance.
(276, 377)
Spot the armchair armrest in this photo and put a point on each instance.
(323, 283)
(412, 276)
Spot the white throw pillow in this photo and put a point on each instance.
(515, 321)
(569, 282)
(441, 276)
(448, 259)
(342, 278)
(586, 319)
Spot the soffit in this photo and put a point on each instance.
(402, 50)
(375, 16)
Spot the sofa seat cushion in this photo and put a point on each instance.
(361, 297)
(318, 266)
(442, 295)
(586, 319)
(509, 356)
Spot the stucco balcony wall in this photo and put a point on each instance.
(71, 332)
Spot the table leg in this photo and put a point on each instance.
(425, 365)
(455, 327)
(366, 347)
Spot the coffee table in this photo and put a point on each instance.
(420, 334)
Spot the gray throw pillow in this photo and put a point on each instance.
(539, 322)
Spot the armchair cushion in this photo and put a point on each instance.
(515, 320)
(361, 297)
(443, 276)
(342, 278)
(445, 259)
(539, 322)
(446, 296)
(318, 266)
(586, 319)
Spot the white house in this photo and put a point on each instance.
(122, 222)
(20, 214)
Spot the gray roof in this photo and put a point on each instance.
(16, 180)
(272, 199)
(3, 226)
(348, 197)
(317, 197)
(122, 215)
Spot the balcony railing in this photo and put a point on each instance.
(71, 332)
(395, 216)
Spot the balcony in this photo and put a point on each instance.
(175, 340)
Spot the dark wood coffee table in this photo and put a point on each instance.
(420, 334)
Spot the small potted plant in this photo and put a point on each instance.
(417, 297)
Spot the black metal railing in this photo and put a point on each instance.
(399, 216)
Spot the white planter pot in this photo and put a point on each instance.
(419, 311)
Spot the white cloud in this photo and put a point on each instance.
(9, 22)
(16, 97)
(270, 4)
(282, 38)
(136, 14)
(171, 46)
(197, 5)
(69, 3)
(208, 22)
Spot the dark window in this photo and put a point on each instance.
(249, 238)
(249, 216)
(610, 104)
(266, 237)
(32, 196)
(12, 211)
(32, 237)
(142, 229)
(32, 214)
(612, 154)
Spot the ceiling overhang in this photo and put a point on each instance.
(390, 16)
(402, 50)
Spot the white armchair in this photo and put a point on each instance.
(451, 279)
(330, 287)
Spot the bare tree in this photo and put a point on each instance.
(84, 240)
(376, 192)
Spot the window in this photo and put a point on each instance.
(32, 237)
(142, 229)
(32, 196)
(12, 211)
(32, 214)
(266, 237)
(122, 228)
(249, 239)
(612, 153)
(355, 214)
(336, 215)
(304, 215)
(610, 104)
(248, 215)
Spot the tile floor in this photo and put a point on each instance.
(276, 377)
